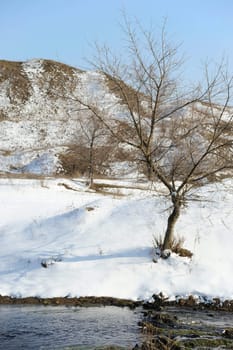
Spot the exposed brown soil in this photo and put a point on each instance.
(158, 303)
(82, 301)
(19, 87)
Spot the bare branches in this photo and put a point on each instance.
(179, 136)
(182, 136)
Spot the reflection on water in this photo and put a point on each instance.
(39, 327)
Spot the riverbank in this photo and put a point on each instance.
(157, 303)
(81, 301)
(179, 328)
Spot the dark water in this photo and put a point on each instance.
(39, 327)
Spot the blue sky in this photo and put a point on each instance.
(63, 30)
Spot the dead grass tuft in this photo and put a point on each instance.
(176, 246)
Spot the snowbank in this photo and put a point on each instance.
(100, 245)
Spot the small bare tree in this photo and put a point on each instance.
(90, 151)
(180, 134)
(93, 138)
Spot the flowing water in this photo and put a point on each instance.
(86, 328)
(39, 327)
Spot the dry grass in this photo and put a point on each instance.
(176, 246)
(120, 89)
(19, 83)
(59, 79)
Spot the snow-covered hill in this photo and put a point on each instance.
(38, 114)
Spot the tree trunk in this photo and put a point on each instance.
(173, 217)
(150, 169)
(91, 177)
(91, 166)
(150, 172)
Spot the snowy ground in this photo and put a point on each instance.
(102, 245)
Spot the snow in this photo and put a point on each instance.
(93, 87)
(38, 161)
(47, 163)
(44, 122)
(102, 245)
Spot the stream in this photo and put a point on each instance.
(40, 327)
(61, 327)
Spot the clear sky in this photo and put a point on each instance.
(63, 30)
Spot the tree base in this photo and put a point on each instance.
(166, 253)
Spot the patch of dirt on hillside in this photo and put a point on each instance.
(18, 89)
(58, 76)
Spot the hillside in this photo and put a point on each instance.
(39, 118)
(42, 121)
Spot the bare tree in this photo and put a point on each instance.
(90, 151)
(93, 138)
(180, 134)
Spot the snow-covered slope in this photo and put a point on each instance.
(38, 113)
(100, 245)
